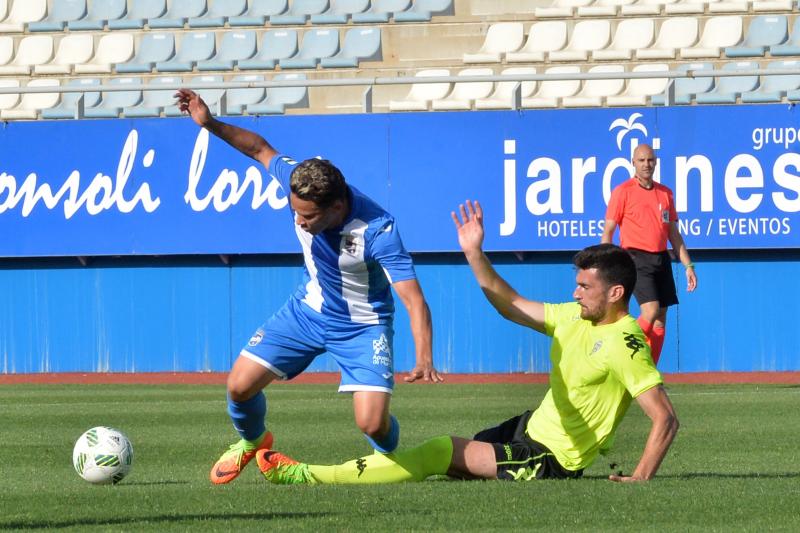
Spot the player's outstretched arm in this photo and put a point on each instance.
(656, 405)
(469, 223)
(676, 240)
(419, 313)
(247, 142)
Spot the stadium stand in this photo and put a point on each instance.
(587, 37)
(774, 88)
(340, 11)
(675, 34)
(792, 46)
(603, 8)
(465, 93)
(503, 96)
(238, 99)
(561, 8)
(154, 47)
(32, 50)
(212, 97)
(235, 46)
(360, 44)
(639, 91)
(68, 107)
(219, 11)
(501, 38)
(687, 88)
(728, 88)
(154, 102)
(30, 104)
(139, 13)
(423, 11)
(112, 103)
(718, 33)
(594, 92)
(112, 49)
(193, 48)
(551, 92)
(100, 13)
(278, 99)
(317, 44)
(543, 37)
(258, 12)
(178, 14)
(299, 12)
(381, 11)
(73, 49)
(61, 13)
(22, 13)
(630, 35)
(421, 95)
(764, 31)
(275, 46)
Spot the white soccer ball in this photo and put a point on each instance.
(103, 455)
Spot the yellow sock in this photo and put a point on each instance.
(431, 458)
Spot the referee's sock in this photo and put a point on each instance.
(429, 459)
(657, 342)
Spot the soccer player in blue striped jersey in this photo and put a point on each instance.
(353, 257)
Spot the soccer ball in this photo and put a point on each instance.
(103, 455)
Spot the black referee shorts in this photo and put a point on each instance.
(520, 458)
(654, 281)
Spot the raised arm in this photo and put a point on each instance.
(247, 142)
(679, 246)
(419, 314)
(500, 294)
(656, 405)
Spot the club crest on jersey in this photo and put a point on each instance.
(255, 339)
(349, 244)
(382, 353)
(596, 347)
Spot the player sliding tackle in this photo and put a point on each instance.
(600, 362)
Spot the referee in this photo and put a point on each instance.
(645, 212)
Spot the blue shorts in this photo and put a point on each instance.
(290, 340)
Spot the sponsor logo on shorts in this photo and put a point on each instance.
(255, 339)
(382, 354)
(525, 474)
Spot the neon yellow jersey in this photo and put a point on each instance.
(597, 370)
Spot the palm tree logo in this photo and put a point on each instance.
(626, 126)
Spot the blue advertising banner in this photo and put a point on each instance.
(164, 186)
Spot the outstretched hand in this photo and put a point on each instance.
(469, 226)
(625, 479)
(424, 373)
(191, 103)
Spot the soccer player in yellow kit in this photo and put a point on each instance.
(600, 363)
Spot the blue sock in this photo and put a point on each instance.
(248, 416)
(388, 443)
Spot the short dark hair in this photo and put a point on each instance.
(614, 265)
(318, 181)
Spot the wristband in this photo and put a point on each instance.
(690, 265)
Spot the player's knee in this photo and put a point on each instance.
(240, 389)
(374, 428)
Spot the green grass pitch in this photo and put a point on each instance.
(733, 467)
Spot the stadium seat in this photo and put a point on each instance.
(194, 47)
(32, 50)
(218, 12)
(764, 31)
(465, 93)
(3, 9)
(602, 8)
(139, 13)
(729, 87)
(8, 101)
(503, 95)
(317, 44)
(73, 49)
(560, 8)
(718, 33)
(551, 92)
(23, 12)
(211, 97)
(178, 13)
(278, 99)
(112, 49)
(275, 45)
(640, 89)
(587, 36)
(543, 38)
(501, 38)
(675, 33)
(360, 44)
(728, 6)
(6, 49)
(113, 102)
(236, 45)
(644, 7)
(594, 92)
(61, 12)
(154, 47)
(421, 95)
(299, 11)
(630, 34)
(381, 11)
(774, 87)
(340, 11)
(101, 12)
(790, 47)
(31, 103)
(238, 99)
(423, 11)
(154, 101)
(685, 7)
(760, 6)
(686, 88)
(258, 13)
(68, 107)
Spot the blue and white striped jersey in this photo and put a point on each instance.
(349, 269)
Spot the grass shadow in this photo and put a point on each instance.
(131, 521)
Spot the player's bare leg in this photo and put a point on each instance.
(247, 407)
(372, 416)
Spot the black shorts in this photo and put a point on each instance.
(520, 458)
(654, 281)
